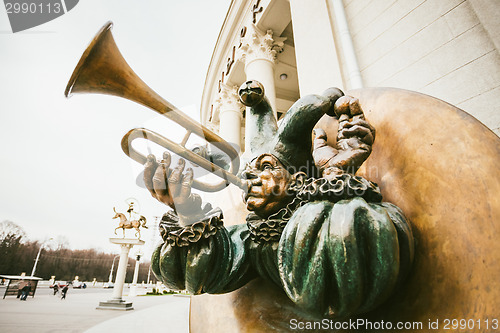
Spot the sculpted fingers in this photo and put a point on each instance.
(167, 159)
(196, 201)
(175, 178)
(341, 106)
(185, 190)
(172, 187)
(362, 133)
(322, 152)
(348, 107)
(160, 180)
(355, 137)
(188, 205)
(319, 138)
(149, 171)
(160, 185)
(355, 123)
(359, 128)
(355, 108)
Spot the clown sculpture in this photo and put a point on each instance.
(315, 229)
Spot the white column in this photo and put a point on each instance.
(133, 288)
(259, 52)
(230, 112)
(121, 271)
(262, 70)
(318, 65)
(349, 55)
(116, 302)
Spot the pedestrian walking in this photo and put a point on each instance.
(25, 291)
(64, 291)
(56, 288)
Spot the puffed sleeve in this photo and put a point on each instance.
(204, 258)
(339, 259)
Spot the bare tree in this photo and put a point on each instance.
(10, 228)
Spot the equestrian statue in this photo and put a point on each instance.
(129, 223)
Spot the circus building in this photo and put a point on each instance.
(447, 49)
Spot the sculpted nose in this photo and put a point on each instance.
(248, 175)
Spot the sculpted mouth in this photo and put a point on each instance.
(253, 192)
(253, 188)
(251, 195)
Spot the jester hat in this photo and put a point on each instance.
(291, 140)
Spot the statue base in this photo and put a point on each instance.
(130, 242)
(115, 304)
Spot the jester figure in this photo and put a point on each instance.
(315, 229)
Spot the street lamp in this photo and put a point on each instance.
(111, 271)
(38, 256)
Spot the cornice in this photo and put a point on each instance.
(238, 11)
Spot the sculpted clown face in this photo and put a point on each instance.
(268, 183)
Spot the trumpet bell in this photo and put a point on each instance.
(99, 57)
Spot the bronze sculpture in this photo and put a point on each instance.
(130, 224)
(433, 160)
(316, 230)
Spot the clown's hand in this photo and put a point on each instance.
(172, 186)
(354, 141)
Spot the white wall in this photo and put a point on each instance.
(438, 47)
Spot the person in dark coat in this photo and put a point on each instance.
(25, 291)
(64, 291)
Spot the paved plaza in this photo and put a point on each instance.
(77, 313)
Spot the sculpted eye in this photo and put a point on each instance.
(266, 166)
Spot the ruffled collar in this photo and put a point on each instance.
(176, 235)
(344, 186)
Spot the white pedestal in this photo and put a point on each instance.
(133, 288)
(117, 303)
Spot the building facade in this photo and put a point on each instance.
(448, 49)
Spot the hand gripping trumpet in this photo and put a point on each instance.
(103, 70)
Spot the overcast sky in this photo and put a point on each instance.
(62, 168)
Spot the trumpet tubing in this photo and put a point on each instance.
(102, 69)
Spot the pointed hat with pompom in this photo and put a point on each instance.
(291, 141)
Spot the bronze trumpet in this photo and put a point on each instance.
(102, 69)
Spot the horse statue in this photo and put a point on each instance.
(126, 224)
